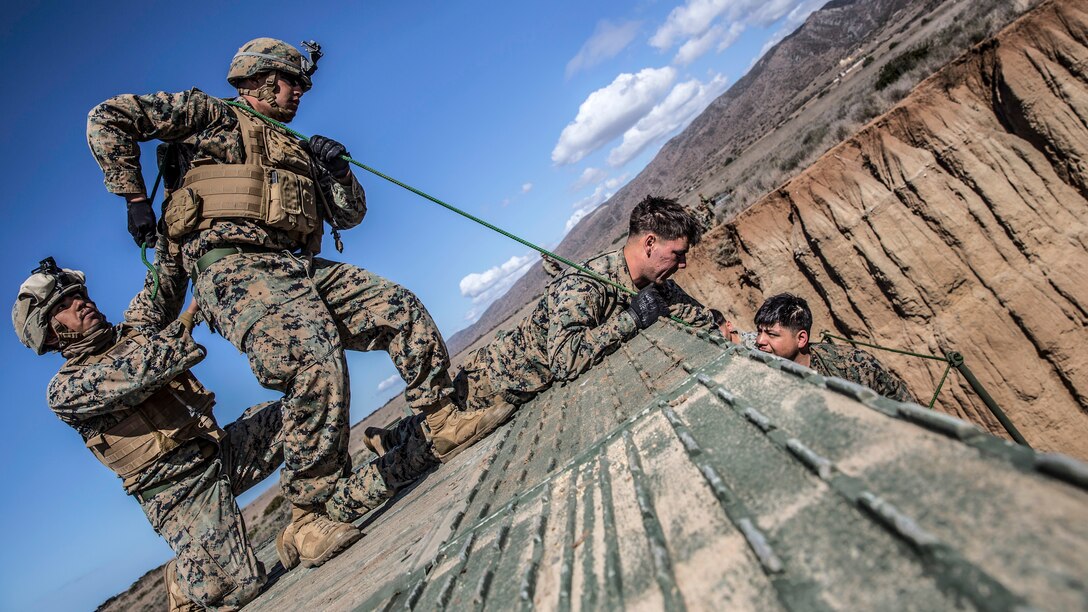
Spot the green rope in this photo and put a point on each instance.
(953, 360)
(450, 207)
(154, 271)
(143, 247)
(940, 385)
(824, 335)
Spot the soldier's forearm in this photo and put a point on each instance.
(117, 126)
(578, 348)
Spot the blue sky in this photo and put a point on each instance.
(527, 114)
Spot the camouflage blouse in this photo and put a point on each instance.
(92, 398)
(575, 324)
(858, 366)
(209, 129)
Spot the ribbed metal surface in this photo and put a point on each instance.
(681, 473)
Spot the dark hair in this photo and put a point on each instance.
(786, 309)
(666, 218)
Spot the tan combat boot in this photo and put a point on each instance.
(453, 430)
(313, 538)
(176, 601)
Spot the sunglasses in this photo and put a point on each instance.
(294, 80)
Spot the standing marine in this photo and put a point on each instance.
(248, 215)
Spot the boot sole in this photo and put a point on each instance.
(333, 551)
(449, 455)
(288, 554)
(374, 443)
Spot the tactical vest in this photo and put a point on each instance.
(177, 413)
(275, 186)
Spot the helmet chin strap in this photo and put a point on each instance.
(65, 335)
(267, 93)
(71, 343)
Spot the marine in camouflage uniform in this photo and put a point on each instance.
(189, 493)
(579, 319)
(747, 339)
(574, 325)
(550, 266)
(784, 322)
(380, 479)
(117, 376)
(259, 285)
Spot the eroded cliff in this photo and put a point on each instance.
(957, 221)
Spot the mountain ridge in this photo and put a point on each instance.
(764, 93)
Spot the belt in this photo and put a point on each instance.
(216, 254)
(146, 495)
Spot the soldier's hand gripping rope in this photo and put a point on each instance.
(143, 228)
(141, 222)
(648, 306)
(331, 155)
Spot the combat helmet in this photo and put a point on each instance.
(38, 295)
(270, 54)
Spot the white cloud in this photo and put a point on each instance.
(794, 19)
(589, 177)
(590, 203)
(389, 382)
(730, 36)
(607, 41)
(487, 286)
(698, 24)
(578, 215)
(690, 20)
(609, 111)
(527, 187)
(718, 36)
(696, 47)
(683, 103)
(795, 11)
(614, 182)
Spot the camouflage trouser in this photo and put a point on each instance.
(295, 325)
(369, 485)
(199, 517)
(474, 388)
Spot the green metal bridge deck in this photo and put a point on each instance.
(682, 473)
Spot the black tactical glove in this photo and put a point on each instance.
(647, 307)
(141, 223)
(327, 153)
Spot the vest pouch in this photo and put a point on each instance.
(227, 191)
(292, 201)
(285, 151)
(181, 212)
(130, 446)
(163, 422)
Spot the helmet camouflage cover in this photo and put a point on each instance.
(262, 55)
(38, 295)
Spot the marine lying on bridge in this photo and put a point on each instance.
(580, 319)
